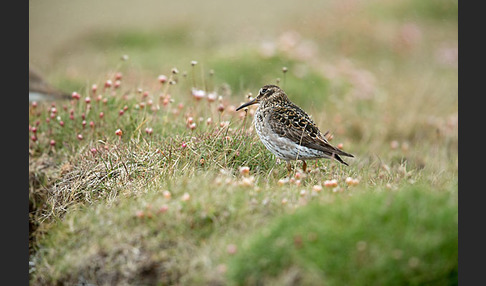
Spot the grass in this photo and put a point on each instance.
(157, 206)
(409, 240)
(188, 195)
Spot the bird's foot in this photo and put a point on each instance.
(289, 168)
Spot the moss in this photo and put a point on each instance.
(406, 237)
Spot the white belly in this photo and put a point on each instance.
(284, 148)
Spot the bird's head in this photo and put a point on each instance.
(267, 92)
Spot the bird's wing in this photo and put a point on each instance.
(293, 123)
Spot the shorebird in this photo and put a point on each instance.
(288, 131)
(40, 89)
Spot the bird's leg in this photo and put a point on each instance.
(289, 168)
(304, 166)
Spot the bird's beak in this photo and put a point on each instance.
(248, 104)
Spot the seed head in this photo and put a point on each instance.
(316, 188)
(198, 93)
(245, 171)
(330, 183)
(282, 182)
(167, 194)
(186, 197)
(162, 78)
(166, 101)
(108, 84)
(212, 96)
(351, 182)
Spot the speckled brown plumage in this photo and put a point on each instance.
(288, 131)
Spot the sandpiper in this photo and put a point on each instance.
(39, 89)
(287, 131)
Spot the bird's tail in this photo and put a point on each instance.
(335, 156)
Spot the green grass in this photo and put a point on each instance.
(238, 71)
(165, 204)
(410, 238)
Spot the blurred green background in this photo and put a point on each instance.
(246, 43)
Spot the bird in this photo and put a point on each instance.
(288, 131)
(40, 89)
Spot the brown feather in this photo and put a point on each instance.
(293, 123)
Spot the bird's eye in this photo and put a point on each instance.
(263, 90)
